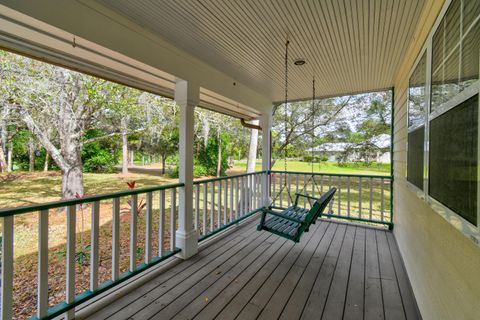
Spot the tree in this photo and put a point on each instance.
(298, 122)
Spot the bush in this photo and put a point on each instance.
(101, 155)
(103, 161)
(320, 158)
(208, 156)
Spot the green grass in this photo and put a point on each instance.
(23, 188)
(327, 167)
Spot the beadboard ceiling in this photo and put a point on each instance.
(349, 45)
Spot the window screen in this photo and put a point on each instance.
(454, 159)
(415, 157)
(416, 93)
(455, 51)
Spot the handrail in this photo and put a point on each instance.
(333, 174)
(228, 177)
(6, 212)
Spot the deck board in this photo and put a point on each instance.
(336, 271)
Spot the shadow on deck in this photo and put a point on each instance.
(337, 271)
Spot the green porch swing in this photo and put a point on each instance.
(293, 221)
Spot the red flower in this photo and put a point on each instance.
(131, 184)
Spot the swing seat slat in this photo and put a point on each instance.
(292, 222)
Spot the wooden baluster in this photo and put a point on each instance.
(348, 196)
(148, 228)
(116, 239)
(71, 258)
(219, 210)
(173, 221)
(197, 205)
(7, 267)
(382, 199)
(204, 217)
(42, 290)
(360, 197)
(231, 200)
(225, 202)
(133, 232)
(212, 208)
(161, 224)
(94, 246)
(237, 199)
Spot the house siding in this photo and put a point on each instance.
(443, 265)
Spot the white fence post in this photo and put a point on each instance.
(266, 124)
(7, 267)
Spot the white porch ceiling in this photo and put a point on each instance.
(349, 45)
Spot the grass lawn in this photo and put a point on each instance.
(326, 167)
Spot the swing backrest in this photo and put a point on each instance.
(320, 205)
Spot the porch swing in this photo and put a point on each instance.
(293, 221)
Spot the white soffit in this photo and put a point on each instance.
(349, 45)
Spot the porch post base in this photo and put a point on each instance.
(188, 242)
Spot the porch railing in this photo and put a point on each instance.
(363, 198)
(133, 213)
(145, 222)
(222, 202)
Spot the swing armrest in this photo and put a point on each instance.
(280, 215)
(306, 196)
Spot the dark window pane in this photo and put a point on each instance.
(437, 49)
(416, 93)
(470, 54)
(415, 157)
(437, 87)
(471, 10)
(450, 81)
(452, 26)
(453, 159)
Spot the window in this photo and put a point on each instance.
(443, 118)
(455, 54)
(454, 159)
(416, 122)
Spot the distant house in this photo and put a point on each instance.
(334, 150)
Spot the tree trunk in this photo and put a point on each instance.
(252, 152)
(47, 158)
(31, 155)
(72, 182)
(164, 160)
(3, 139)
(219, 160)
(124, 152)
(3, 161)
(72, 173)
(10, 157)
(205, 130)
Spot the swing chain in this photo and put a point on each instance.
(285, 105)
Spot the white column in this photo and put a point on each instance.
(266, 124)
(187, 96)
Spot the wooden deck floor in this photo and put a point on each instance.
(337, 271)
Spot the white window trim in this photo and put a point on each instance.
(465, 227)
(419, 192)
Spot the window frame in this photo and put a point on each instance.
(470, 230)
(419, 192)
